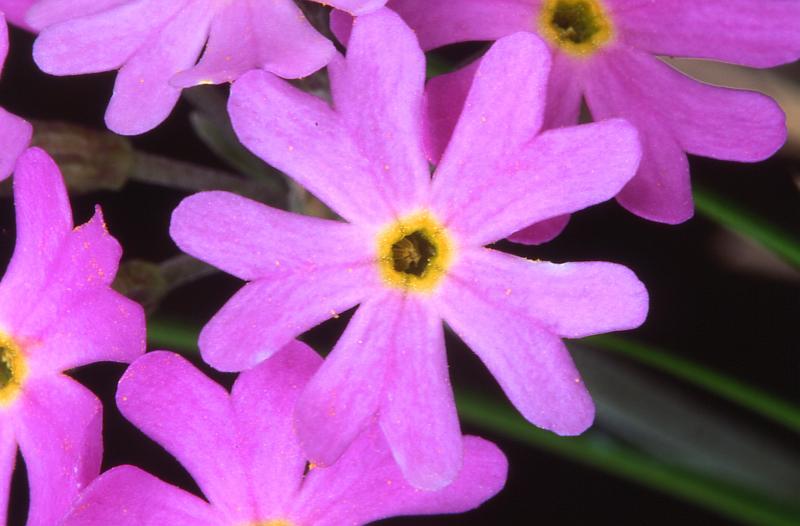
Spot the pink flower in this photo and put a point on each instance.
(604, 52)
(15, 133)
(155, 45)
(57, 312)
(411, 251)
(15, 11)
(241, 450)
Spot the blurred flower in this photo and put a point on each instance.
(56, 312)
(15, 133)
(412, 251)
(603, 51)
(156, 45)
(244, 455)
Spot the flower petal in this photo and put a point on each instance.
(366, 485)
(427, 447)
(441, 23)
(560, 172)
(14, 11)
(755, 33)
(377, 92)
(268, 313)
(355, 7)
(281, 42)
(541, 232)
(444, 102)
(306, 139)
(530, 362)
(189, 415)
(8, 457)
(128, 496)
(58, 424)
(343, 397)
(512, 75)
(264, 400)
(101, 41)
(143, 96)
(251, 240)
(564, 93)
(44, 13)
(572, 300)
(44, 221)
(15, 136)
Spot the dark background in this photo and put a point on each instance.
(702, 308)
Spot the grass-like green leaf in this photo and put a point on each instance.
(734, 218)
(723, 386)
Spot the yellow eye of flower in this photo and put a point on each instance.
(579, 27)
(13, 370)
(414, 252)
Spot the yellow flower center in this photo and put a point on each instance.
(414, 252)
(579, 27)
(13, 370)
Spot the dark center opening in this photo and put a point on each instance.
(6, 371)
(575, 21)
(413, 253)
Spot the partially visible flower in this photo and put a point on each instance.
(155, 44)
(15, 133)
(242, 451)
(412, 250)
(604, 51)
(57, 312)
(15, 11)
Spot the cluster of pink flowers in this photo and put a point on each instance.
(372, 430)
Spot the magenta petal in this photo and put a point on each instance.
(530, 362)
(58, 423)
(760, 33)
(102, 41)
(263, 400)
(559, 172)
(14, 11)
(377, 92)
(355, 7)
(438, 23)
(541, 232)
(191, 416)
(8, 457)
(572, 300)
(44, 13)
(143, 96)
(15, 136)
(251, 240)
(268, 313)
(128, 496)
(444, 102)
(269, 34)
(427, 446)
(3, 38)
(44, 221)
(343, 397)
(563, 93)
(491, 128)
(366, 485)
(306, 139)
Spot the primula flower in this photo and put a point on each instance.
(57, 312)
(411, 251)
(241, 450)
(15, 133)
(156, 45)
(604, 51)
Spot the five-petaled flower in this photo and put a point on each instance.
(15, 133)
(57, 311)
(156, 45)
(241, 450)
(603, 52)
(412, 250)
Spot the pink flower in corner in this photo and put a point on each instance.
(241, 450)
(57, 312)
(15, 133)
(411, 251)
(604, 51)
(155, 44)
